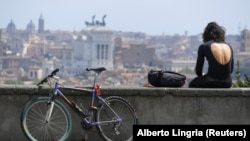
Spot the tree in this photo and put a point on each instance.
(239, 82)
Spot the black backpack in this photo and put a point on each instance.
(160, 78)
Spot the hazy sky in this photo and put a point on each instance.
(154, 17)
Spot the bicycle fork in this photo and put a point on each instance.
(49, 111)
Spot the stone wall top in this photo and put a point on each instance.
(131, 90)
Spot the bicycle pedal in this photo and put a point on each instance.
(93, 108)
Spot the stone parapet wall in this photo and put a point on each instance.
(153, 105)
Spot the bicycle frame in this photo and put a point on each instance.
(48, 118)
(87, 119)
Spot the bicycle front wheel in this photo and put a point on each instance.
(117, 131)
(35, 126)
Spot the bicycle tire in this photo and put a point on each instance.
(127, 113)
(33, 121)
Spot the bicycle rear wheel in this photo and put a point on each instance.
(122, 131)
(35, 127)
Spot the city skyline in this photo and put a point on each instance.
(151, 17)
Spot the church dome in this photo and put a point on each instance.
(31, 27)
(11, 27)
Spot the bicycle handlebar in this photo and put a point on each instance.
(53, 73)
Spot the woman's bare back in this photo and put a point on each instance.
(221, 52)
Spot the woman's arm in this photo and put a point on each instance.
(200, 61)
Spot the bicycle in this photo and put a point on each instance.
(47, 119)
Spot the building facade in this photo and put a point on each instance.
(94, 48)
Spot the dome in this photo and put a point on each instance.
(11, 27)
(11, 24)
(31, 27)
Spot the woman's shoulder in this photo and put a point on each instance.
(206, 44)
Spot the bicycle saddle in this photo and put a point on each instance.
(97, 70)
